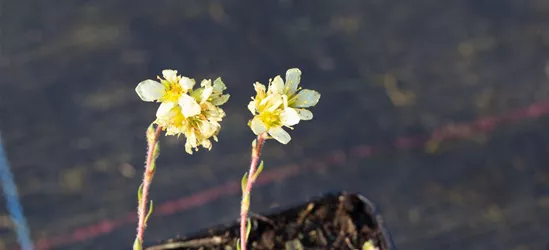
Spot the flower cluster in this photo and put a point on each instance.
(282, 104)
(195, 113)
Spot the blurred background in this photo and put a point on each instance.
(435, 110)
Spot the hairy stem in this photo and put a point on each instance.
(147, 178)
(245, 205)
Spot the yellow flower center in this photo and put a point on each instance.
(179, 119)
(173, 92)
(270, 119)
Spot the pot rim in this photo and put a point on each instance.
(370, 208)
(378, 218)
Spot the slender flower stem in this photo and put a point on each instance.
(245, 205)
(147, 178)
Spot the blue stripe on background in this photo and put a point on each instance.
(12, 201)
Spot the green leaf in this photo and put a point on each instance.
(153, 167)
(156, 151)
(150, 134)
(258, 171)
(244, 182)
(149, 212)
(137, 244)
(238, 245)
(248, 228)
(245, 205)
(140, 192)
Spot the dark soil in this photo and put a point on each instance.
(343, 221)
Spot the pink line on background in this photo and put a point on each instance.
(336, 157)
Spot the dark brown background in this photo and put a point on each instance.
(73, 125)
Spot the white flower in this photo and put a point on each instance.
(193, 113)
(173, 88)
(296, 98)
(281, 105)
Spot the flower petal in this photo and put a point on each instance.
(220, 100)
(196, 94)
(150, 90)
(207, 144)
(170, 75)
(251, 106)
(219, 86)
(280, 135)
(206, 83)
(257, 126)
(186, 83)
(277, 85)
(304, 114)
(259, 88)
(188, 147)
(213, 113)
(164, 109)
(207, 129)
(206, 93)
(305, 98)
(189, 106)
(293, 77)
(289, 117)
(272, 102)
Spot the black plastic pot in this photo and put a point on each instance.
(299, 227)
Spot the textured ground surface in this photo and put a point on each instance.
(74, 127)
